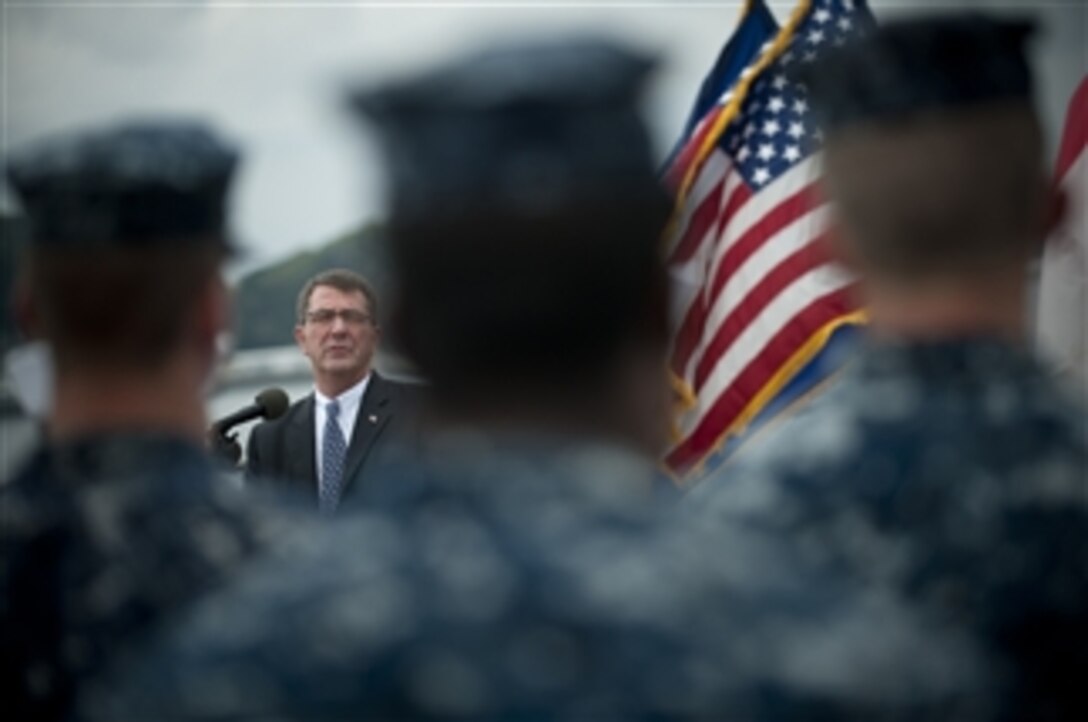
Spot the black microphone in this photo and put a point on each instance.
(269, 404)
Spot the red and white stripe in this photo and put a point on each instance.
(753, 284)
(1062, 308)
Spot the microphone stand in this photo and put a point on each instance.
(223, 446)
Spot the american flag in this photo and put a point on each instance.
(757, 28)
(756, 295)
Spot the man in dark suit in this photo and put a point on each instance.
(325, 441)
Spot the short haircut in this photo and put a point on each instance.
(117, 307)
(342, 279)
(494, 299)
(947, 192)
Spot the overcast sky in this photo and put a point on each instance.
(271, 76)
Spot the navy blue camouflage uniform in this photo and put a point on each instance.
(527, 578)
(956, 473)
(463, 592)
(103, 537)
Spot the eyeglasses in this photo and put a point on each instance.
(325, 316)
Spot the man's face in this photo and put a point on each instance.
(338, 334)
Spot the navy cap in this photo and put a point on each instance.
(136, 184)
(908, 67)
(525, 128)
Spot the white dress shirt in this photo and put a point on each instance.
(350, 402)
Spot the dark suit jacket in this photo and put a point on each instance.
(283, 450)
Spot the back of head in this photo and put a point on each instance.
(126, 232)
(525, 219)
(934, 150)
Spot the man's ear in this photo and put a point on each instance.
(213, 313)
(397, 339)
(834, 243)
(837, 243)
(25, 310)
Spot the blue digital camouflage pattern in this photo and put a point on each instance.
(102, 538)
(956, 474)
(530, 579)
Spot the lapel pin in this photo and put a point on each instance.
(372, 419)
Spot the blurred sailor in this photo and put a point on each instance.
(118, 518)
(944, 462)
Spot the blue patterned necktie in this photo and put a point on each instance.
(334, 450)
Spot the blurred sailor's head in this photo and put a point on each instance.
(934, 152)
(127, 235)
(525, 218)
(934, 167)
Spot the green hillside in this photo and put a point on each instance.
(265, 299)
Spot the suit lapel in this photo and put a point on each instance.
(301, 459)
(374, 413)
